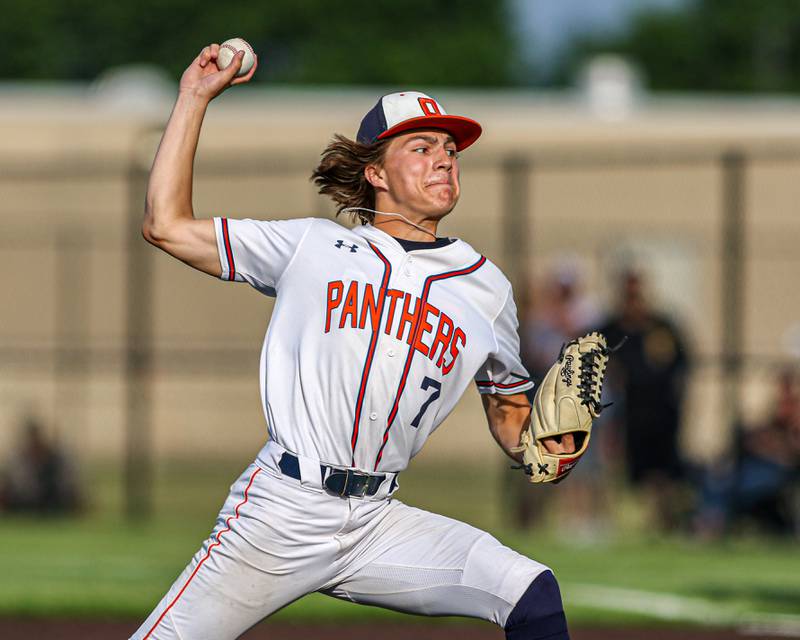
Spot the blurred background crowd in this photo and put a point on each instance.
(637, 442)
(637, 176)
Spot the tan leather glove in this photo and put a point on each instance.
(567, 401)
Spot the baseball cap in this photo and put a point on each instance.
(398, 112)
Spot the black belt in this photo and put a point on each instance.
(345, 483)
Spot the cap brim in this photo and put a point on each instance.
(465, 131)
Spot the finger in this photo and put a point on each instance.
(232, 69)
(208, 54)
(205, 56)
(199, 57)
(246, 78)
(560, 444)
(552, 445)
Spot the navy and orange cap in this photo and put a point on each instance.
(398, 112)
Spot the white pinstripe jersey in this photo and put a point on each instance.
(370, 347)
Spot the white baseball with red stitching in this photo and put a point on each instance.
(229, 48)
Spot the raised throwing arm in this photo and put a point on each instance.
(169, 221)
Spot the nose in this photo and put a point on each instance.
(443, 160)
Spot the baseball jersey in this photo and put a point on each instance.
(370, 347)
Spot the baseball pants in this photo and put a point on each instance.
(277, 539)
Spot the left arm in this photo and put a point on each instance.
(509, 415)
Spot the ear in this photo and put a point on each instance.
(376, 176)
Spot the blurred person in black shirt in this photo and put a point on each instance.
(650, 370)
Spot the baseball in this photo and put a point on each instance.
(230, 48)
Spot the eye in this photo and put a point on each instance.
(452, 153)
(423, 149)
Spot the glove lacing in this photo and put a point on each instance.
(592, 374)
(590, 380)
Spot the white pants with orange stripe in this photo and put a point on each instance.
(278, 539)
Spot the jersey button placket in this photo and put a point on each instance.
(407, 267)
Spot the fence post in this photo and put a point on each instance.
(72, 332)
(138, 355)
(518, 501)
(516, 223)
(733, 166)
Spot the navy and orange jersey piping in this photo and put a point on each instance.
(387, 272)
(421, 305)
(226, 240)
(486, 384)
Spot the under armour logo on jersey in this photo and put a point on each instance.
(341, 243)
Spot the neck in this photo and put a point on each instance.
(406, 229)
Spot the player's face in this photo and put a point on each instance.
(420, 174)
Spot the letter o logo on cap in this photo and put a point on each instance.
(429, 107)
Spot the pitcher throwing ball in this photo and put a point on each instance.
(376, 333)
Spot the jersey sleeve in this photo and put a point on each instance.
(258, 251)
(503, 371)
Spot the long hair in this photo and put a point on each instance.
(340, 174)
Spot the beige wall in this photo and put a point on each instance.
(63, 243)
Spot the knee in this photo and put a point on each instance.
(539, 613)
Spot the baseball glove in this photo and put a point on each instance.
(567, 401)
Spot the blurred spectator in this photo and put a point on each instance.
(38, 478)
(562, 312)
(762, 479)
(650, 372)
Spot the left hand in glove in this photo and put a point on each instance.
(566, 402)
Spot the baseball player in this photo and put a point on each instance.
(376, 333)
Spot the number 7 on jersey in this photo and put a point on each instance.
(427, 383)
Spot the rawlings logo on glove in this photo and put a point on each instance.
(566, 371)
(566, 402)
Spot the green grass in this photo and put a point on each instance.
(100, 565)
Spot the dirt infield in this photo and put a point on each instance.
(99, 630)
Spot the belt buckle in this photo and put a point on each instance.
(359, 485)
(353, 484)
(344, 493)
(334, 478)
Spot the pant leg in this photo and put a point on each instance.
(419, 562)
(261, 556)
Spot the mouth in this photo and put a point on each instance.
(439, 179)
